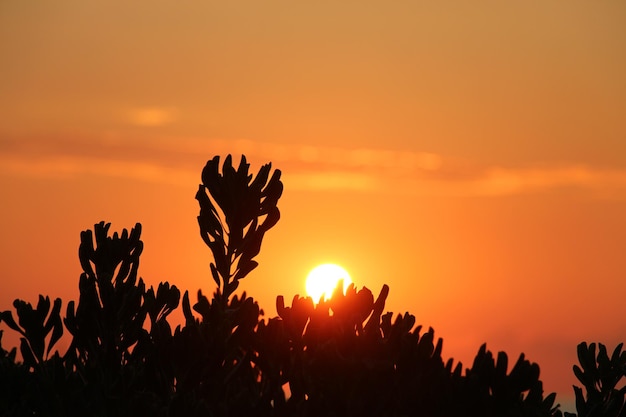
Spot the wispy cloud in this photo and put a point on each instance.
(152, 116)
(305, 167)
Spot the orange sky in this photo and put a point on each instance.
(471, 156)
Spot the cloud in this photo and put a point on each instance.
(506, 181)
(305, 167)
(331, 181)
(152, 116)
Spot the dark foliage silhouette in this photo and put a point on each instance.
(235, 213)
(600, 376)
(342, 357)
(34, 328)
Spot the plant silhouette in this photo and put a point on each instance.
(344, 356)
(235, 213)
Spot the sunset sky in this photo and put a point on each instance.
(472, 155)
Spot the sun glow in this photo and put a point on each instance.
(323, 279)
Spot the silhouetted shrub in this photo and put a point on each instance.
(600, 376)
(341, 357)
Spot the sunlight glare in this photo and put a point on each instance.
(323, 279)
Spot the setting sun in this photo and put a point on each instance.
(323, 279)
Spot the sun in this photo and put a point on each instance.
(323, 279)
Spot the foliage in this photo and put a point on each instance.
(341, 357)
(34, 328)
(235, 213)
(600, 376)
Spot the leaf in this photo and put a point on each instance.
(215, 274)
(43, 306)
(615, 357)
(190, 319)
(280, 306)
(438, 348)
(230, 288)
(580, 375)
(57, 325)
(502, 364)
(202, 306)
(70, 318)
(603, 358)
(86, 251)
(580, 401)
(242, 272)
(27, 354)
(7, 317)
(548, 402)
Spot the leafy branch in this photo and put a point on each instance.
(235, 212)
(600, 376)
(34, 328)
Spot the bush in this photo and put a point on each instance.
(341, 357)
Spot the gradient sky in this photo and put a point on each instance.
(472, 155)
